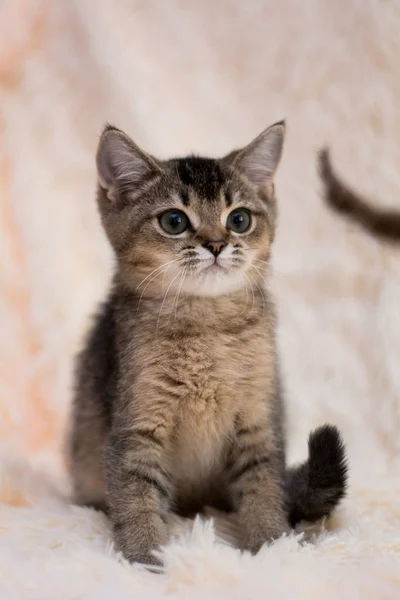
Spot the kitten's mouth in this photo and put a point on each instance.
(214, 267)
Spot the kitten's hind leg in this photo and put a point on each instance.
(85, 458)
(88, 486)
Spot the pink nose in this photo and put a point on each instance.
(215, 246)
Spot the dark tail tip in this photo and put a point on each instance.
(317, 486)
(324, 164)
(327, 461)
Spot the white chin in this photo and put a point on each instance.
(213, 283)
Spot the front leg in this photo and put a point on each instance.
(138, 491)
(256, 477)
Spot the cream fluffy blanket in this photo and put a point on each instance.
(204, 76)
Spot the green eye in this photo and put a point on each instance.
(239, 220)
(174, 222)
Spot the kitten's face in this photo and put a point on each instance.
(190, 226)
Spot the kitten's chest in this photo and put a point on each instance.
(197, 377)
(213, 370)
(217, 375)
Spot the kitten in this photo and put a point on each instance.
(178, 402)
(382, 223)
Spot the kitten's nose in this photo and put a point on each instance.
(215, 246)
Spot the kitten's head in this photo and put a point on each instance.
(198, 225)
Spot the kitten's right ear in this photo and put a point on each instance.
(121, 165)
(259, 160)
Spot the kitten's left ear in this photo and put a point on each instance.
(260, 159)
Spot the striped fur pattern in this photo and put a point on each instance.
(178, 403)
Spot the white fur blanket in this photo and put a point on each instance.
(204, 76)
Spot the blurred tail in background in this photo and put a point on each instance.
(384, 224)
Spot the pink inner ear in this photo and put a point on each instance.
(111, 195)
(109, 190)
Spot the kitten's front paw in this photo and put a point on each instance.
(258, 534)
(140, 556)
(148, 559)
(139, 539)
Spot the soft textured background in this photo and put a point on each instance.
(204, 76)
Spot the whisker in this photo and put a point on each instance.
(179, 291)
(247, 295)
(175, 302)
(148, 283)
(165, 296)
(258, 260)
(259, 270)
(157, 269)
(261, 292)
(263, 262)
(267, 269)
(252, 291)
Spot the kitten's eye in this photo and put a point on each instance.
(174, 221)
(239, 220)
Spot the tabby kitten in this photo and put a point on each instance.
(382, 223)
(178, 402)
